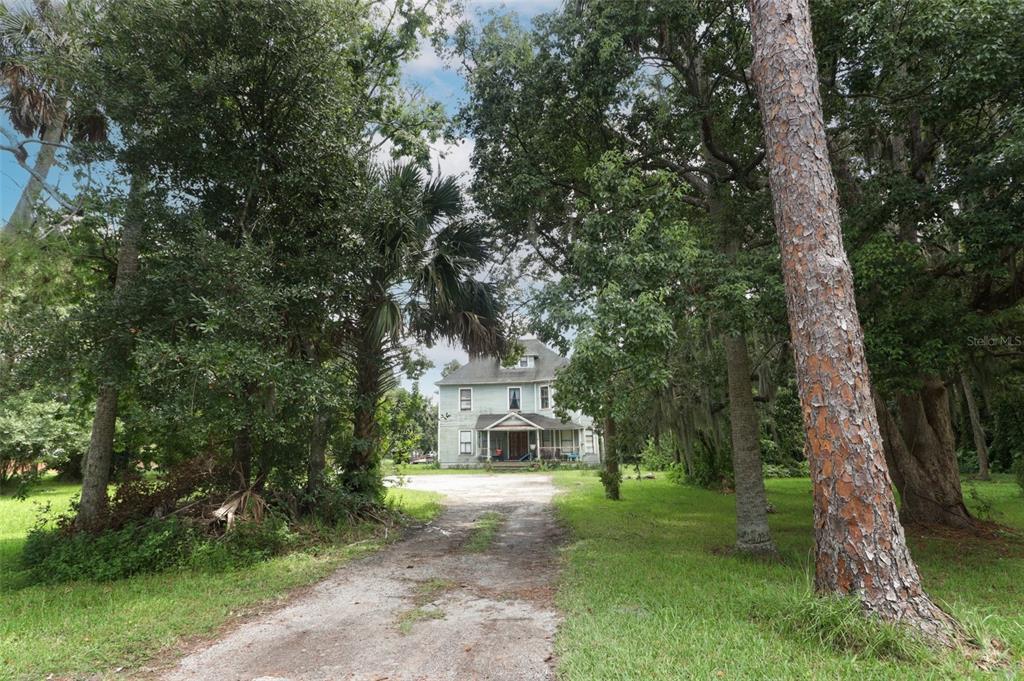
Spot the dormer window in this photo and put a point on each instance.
(524, 362)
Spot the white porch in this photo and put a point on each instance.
(524, 438)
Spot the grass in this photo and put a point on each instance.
(484, 530)
(85, 628)
(426, 592)
(649, 595)
(411, 617)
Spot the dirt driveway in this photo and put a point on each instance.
(424, 608)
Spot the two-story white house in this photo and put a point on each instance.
(490, 414)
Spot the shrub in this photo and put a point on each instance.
(657, 457)
(246, 543)
(52, 555)
(338, 505)
(1018, 472)
(677, 474)
(793, 469)
(967, 460)
(55, 555)
(712, 467)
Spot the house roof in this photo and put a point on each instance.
(491, 422)
(489, 369)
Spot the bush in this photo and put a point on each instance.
(154, 545)
(712, 467)
(52, 555)
(1018, 472)
(245, 543)
(37, 432)
(677, 474)
(657, 457)
(338, 505)
(967, 460)
(793, 469)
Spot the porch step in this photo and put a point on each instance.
(513, 464)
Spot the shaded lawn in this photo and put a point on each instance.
(649, 594)
(86, 627)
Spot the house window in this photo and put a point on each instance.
(515, 399)
(590, 442)
(524, 362)
(465, 442)
(545, 397)
(465, 399)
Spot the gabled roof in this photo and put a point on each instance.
(517, 419)
(489, 369)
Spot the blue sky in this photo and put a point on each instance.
(428, 72)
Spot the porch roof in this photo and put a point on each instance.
(518, 421)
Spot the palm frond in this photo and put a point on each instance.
(473, 319)
(442, 198)
(386, 321)
(464, 243)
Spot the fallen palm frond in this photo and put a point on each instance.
(245, 503)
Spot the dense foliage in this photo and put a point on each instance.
(216, 326)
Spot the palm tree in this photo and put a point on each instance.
(419, 285)
(36, 101)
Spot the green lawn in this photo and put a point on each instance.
(648, 593)
(83, 627)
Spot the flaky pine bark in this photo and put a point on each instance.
(21, 218)
(980, 445)
(752, 533)
(860, 548)
(96, 469)
(611, 477)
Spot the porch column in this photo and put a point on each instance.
(488, 446)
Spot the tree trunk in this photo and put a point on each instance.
(241, 457)
(860, 547)
(21, 219)
(361, 473)
(930, 493)
(752, 533)
(980, 446)
(96, 469)
(317, 461)
(611, 477)
(892, 440)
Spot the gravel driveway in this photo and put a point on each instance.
(423, 608)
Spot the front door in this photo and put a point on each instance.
(517, 444)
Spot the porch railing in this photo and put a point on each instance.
(535, 454)
(559, 453)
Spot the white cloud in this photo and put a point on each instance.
(427, 62)
(453, 159)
